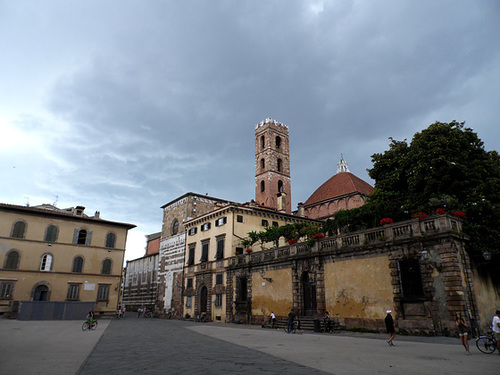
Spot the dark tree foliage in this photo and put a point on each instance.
(444, 166)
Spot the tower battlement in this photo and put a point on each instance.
(270, 122)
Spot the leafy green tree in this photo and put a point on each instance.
(444, 166)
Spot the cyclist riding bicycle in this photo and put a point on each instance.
(90, 317)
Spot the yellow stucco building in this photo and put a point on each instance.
(52, 254)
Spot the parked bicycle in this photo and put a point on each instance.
(332, 325)
(486, 344)
(148, 314)
(89, 324)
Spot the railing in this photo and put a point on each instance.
(390, 232)
(403, 230)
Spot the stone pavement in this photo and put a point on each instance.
(45, 347)
(153, 346)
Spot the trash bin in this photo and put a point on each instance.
(317, 325)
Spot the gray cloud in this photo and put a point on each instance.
(130, 109)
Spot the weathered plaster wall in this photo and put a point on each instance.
(487, 298)
(275, 296)
(359, 288)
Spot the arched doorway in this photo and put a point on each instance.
(309, 293)
(41, 293)
(203, 299)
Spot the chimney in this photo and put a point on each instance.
(300, 210)
(97, 215)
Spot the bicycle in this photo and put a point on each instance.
(332, 326)
(292, 328)
(148, 314)
(486, 344)
(89, 324)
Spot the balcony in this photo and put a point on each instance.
(399, 231)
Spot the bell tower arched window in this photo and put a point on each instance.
(262, 142)
(280, 165)
(262, 186)
(280, 186)
(278, 142)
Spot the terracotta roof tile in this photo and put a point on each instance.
(340, 184)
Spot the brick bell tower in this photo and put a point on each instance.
(272, 166)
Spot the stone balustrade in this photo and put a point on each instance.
(371, 237)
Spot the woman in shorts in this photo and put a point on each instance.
(462, 331)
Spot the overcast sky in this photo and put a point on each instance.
(123, 106)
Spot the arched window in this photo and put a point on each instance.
(262, 186)
(262, 163)
(19, 229)
(51, 233)
(12, 260)
(280, 186)
(280, 164)
(82, 237)
(278, 142)
(110, 240)
(46, 264)
(175, 227)
(77, 264)
(106, 267)
(262, 141)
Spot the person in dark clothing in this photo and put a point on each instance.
(389, 325)
(291, 319)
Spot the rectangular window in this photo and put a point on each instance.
(220, 249)
(191, 256)
(189, 301)
(220, 221)
(205, 227)
(265, 223)
(218, 279)
(275, 224)
(6, 288)
(103, 293)
(192, 231)
(239, 218)
(411, 279)
(204, 252)
(73, 292)
(239, 251)
(218, 300)
(189, 283)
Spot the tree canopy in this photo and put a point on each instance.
(444, 166)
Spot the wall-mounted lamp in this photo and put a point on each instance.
(425, 254)
(262, 273)
(487, 255)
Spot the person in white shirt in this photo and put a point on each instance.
(272, 319)
(495, 325)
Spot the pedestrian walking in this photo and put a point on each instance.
(389, 325)
(462, 331)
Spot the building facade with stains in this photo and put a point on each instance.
(418, 268)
